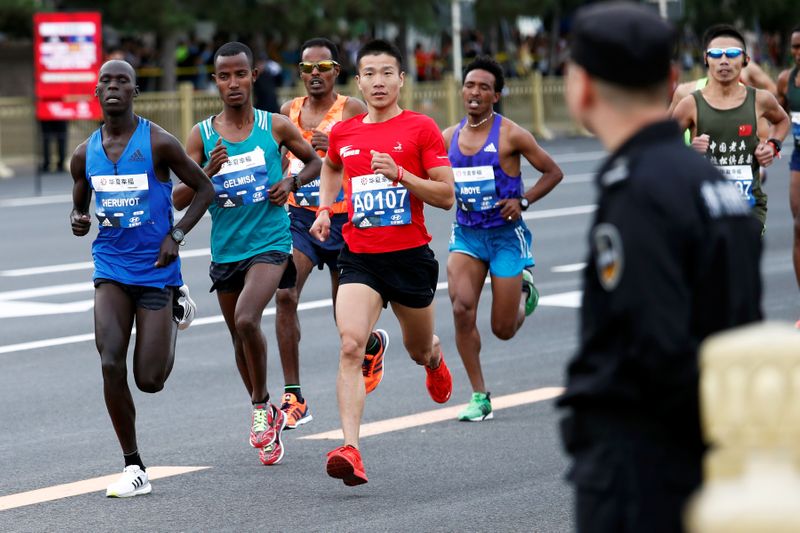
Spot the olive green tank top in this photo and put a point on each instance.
(733, 138)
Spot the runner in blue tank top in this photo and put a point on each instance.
(137, 274)
(489, 233)
(251, 243)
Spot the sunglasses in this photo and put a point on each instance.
(322, 66)
(730, 53)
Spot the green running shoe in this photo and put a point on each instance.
(479, 408)
(532, 299)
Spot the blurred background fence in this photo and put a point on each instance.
(534, 102)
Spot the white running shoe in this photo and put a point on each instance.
(132, 483)
(184, 308)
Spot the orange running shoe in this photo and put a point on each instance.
(297, 413)
(372, 367)
(345, 463)
(439, 381)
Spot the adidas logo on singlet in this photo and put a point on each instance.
(303, 202)
(106, 223)
(137, 156)
(228, 203)
(365, 223)
(490, 148)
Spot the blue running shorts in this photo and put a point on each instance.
(507, 248)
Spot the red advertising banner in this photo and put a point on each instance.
(67, 55)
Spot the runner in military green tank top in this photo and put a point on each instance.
(724, 116)
(732, 141)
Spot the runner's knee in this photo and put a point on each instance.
(352, 349)
(504, 328)
(150, 383)
(286, 300)
(247, 325)
(114, 369)
(464, 313)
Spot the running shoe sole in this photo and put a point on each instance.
(277, 442)
(144, 489)
(340, 468)
(305, 420)
(477, 418)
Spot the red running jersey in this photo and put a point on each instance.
(383, 217)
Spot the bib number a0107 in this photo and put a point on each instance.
(376, 202)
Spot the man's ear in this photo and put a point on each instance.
(136, 91)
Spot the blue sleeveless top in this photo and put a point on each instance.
(243, 221)
(480, 181)
(134, 209)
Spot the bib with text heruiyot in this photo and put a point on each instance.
(121, 201)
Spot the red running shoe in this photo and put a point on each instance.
(266, 420)
(439, 381)
(372, 366)
(345, 463)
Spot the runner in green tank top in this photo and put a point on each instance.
(723, 118)
(789, 97)
(250, 237)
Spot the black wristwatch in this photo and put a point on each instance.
(524, 204)
(296, 184)
(178, 236)
(776, 144)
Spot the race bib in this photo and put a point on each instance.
(796, 126)
(475, 188)
(242, 180)
(376, 202)
(121, 201)
(742, 177)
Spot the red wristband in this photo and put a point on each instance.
(327, 208)
(400, 173)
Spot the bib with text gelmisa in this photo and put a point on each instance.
(122, 201)
(475, 188)
(242, 180)
(376, 202)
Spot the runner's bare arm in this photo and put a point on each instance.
(353, 107)
(287, 134)
(447, 135)
(437, 191)
(330, 183)
(182, 194)
(783, 88)
(524, 143)
(682, 91)
(79, 217)
(774, 113)
(756, 77)
(168, 153)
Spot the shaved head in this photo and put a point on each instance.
(115, 65)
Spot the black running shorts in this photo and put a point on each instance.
(150, 298)
(407, 277)
(229, 277)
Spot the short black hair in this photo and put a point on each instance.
(488, 64)
(324, 43)
(796, 29)
(234, 48)
(380, 46)
(722, 30)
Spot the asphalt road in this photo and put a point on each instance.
(501, 475)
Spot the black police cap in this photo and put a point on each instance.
(622, 43)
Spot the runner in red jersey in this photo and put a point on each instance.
(394, 161)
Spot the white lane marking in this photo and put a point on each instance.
(86, 486)
(560, 212)
(36, 200)
(578, 178)
(579, 157)
(571, 299)
(84, 265)
(49, 290)
(573, 267)
(567, 299)
(441, 415)
(29, 309)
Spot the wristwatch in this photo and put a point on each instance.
(524, 204)
(178, 235)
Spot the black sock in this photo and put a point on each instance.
(294, 389)
(264, 401)
(133, 459)
(373, 344)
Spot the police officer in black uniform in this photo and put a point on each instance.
(674, 257)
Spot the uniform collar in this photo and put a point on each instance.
(615, 168)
